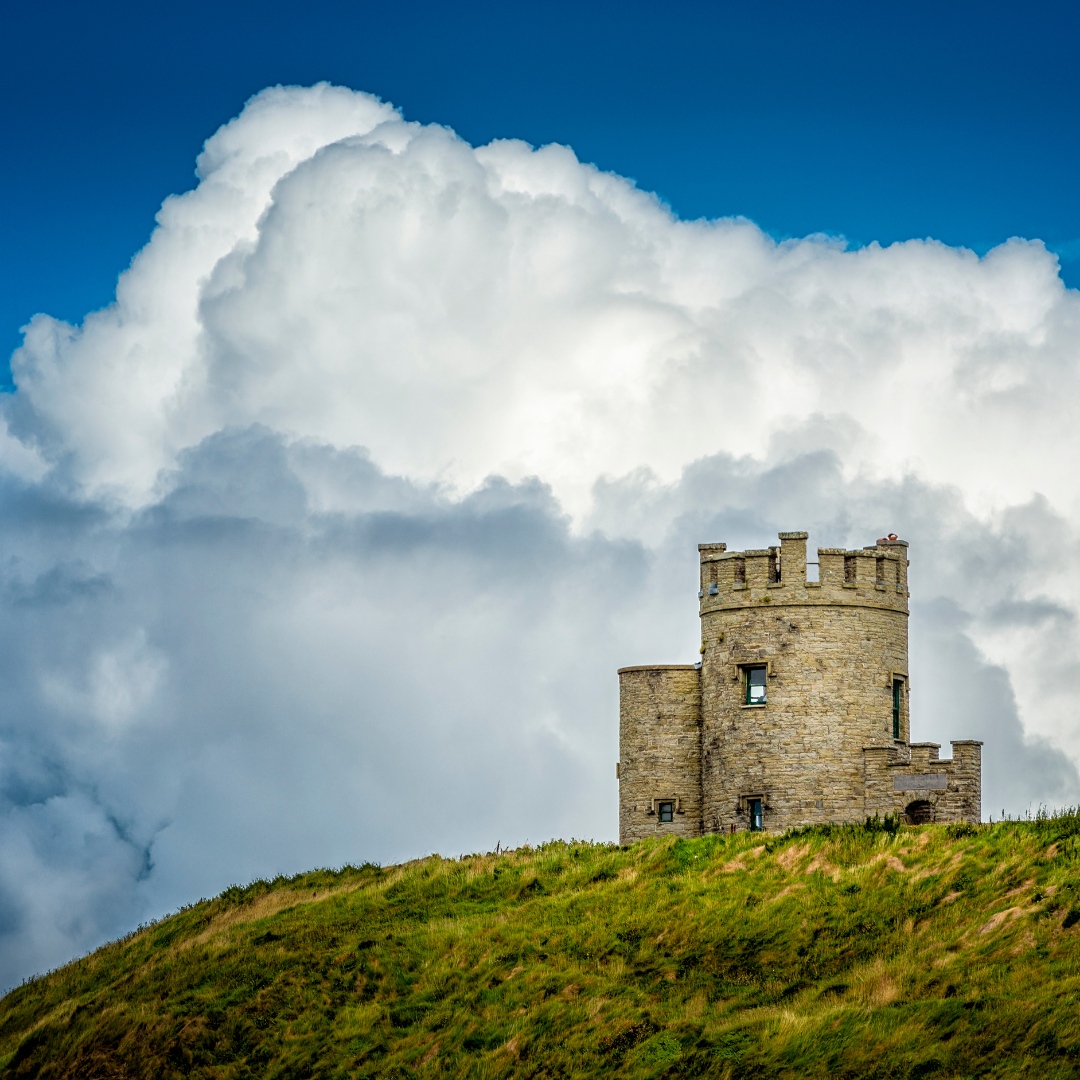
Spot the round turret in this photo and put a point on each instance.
(800, 673)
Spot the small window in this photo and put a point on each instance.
(755, 685)
(849, 569)
(666, 811)
(756, 819)
(880, 571)
(740, 571)
(897, 698)
(774, 565)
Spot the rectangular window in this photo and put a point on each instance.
(756, 818)
(880, 572)
(849, 569)
(666, 811)
(774, 565)
(755, 685)
(897, 697)
(740, 571)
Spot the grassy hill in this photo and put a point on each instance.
(835, 952)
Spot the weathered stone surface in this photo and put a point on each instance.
(938, 781)
(822, 747)
(659, 750)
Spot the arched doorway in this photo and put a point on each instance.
(919, 812)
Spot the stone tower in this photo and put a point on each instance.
(797, 712)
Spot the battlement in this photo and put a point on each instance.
(921, 787)
(864, 577)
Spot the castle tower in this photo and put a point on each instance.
(798, 711)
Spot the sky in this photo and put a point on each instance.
(374, 374)
(956, 121)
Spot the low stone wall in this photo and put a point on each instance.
(922, 787)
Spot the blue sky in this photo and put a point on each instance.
(878, 122)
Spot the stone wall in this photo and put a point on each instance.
(659, 750)
(829, 687)
(921, 787)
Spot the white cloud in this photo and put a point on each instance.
(116, 398)
(325, 540)
(460, 311)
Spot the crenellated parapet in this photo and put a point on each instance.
(864, 577)
(920, 787)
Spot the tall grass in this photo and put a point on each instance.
(843, 951)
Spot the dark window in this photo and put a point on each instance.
(740, 571)
(756, 823)
(880, 571)
(755, 685)
(774, 564)
(897, 697)
(849, 569)
(667, 811)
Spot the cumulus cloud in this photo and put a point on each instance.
(324, 541)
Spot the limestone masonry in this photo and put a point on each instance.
(798, 710)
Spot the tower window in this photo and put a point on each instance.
(740, 571)
(666, 811)
(755, 685)
(849, 569)
(880, 571)
(756, 817)
(897, 697)
(774, 565)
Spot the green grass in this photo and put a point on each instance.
(826, 952)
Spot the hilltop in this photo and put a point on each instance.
(939, 951)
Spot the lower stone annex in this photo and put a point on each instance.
(798, 709)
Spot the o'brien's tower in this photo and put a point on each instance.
(798, 711)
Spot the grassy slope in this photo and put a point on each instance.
(836, 952)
